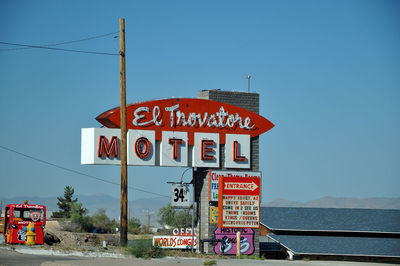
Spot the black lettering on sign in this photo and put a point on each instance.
(178, 194)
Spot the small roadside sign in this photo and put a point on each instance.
(239, 202)
(180, 195)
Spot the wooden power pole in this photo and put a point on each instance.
(124, 168)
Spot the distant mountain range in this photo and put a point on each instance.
(333, 202)
(142, 207)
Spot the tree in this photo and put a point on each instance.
(80, 218)
(174, 217)
(76, 209)
(98, 223)
(64, 204)
(183, 218)
(134, 225)
(101, 222)
(166, 215)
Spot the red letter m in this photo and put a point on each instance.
(109, 149)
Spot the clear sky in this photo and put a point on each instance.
(328, 74)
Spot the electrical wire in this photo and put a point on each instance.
(57, 49)
(68, 42)
(77, 172)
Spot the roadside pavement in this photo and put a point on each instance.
(26, 256)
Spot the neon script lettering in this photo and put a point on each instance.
(220, 119)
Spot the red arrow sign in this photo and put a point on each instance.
(240, 185)
(188, 115)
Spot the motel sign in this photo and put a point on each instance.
(176, 132)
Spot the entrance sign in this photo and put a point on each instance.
(188, 115)
(239, 202)
(214, 177)
(180, 195)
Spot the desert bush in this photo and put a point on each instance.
(98, 223)
(134, 226)
(145, 249)
(101, 222)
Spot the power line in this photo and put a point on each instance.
(68, 42)
(77, 172)
(57, 49)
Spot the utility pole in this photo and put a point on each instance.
(124, 168)
(148, 214)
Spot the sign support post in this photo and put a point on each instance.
(193, 204)
(124, 169)
(238, 243)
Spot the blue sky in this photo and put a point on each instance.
(327, 73)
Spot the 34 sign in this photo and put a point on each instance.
(180, 195)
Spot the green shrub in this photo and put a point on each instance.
(174, 217)
(85, 223)
(101, 222)
(134, 226)
(209, 262)
(252, 257)
(157, 252)
(98, 223)
(142, 249)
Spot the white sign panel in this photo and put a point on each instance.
(143, 152)
(174, 149)
(237, 151)
(214, 177)
(103, 146)
(180, 195)
(174, 242)
(206, 150)
(100, 146)
(241, 211)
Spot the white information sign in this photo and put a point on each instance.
(241, 211)
(180, 195)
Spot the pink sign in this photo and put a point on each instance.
(228, 243)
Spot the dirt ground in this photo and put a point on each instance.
(83, 241)
(72, 240)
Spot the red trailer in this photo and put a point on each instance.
(16, 220)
